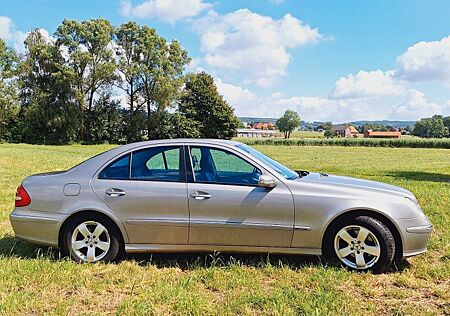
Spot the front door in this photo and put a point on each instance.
(228, 208)
(147, 190)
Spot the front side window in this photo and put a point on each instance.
(157, 164)
(275, 165)
(117, 170)
(212, 165)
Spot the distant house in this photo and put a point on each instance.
(391, 134)
(264, 125)
(345, 131)
(255, 133)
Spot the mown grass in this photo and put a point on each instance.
(35, 281)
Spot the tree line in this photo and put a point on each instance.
(436, 126)
(93, 82)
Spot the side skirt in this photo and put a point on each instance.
(162, 248)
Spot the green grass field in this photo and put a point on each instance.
(35, 281)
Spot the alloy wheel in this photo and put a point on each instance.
(90, 241)
(357, 247)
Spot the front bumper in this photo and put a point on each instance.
(416, 233)
(40, 228)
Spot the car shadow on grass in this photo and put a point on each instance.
(420, 176)
(13, 248)
(190, 261)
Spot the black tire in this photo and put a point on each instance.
(115, 249)
(381, 232)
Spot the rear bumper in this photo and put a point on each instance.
(40, 228)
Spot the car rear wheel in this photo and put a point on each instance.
(91, 239)
(361, 243)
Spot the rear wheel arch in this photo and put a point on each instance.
(370, 213)
(94, 213)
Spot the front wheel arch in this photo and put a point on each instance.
(363, 212)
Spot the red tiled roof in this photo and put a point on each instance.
(353, 130)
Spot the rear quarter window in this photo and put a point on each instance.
(117, 170)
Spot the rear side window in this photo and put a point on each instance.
(117, 170)
(158, 164)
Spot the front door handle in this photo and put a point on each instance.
(200, 195)
(114, 192)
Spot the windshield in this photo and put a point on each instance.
(275, 165)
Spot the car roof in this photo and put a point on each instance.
(182, 140)
(95, 162)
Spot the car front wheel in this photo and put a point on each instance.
(362, 243)
(91, 239)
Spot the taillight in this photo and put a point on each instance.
(22, 197)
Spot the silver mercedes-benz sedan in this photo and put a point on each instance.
(201, 195)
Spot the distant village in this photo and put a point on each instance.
(267, 129)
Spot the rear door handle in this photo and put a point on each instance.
(114, 192)
(199, 195)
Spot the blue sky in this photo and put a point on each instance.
(329, 60)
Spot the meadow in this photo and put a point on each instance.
(35, 280)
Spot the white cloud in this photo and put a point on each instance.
(252, 44)
(247, 103)
(236, 96)
(366, 84)
(11, 35)
(6, 28)
(415, 106)
(169, 11)
(195, 65)
(426, 61)
(125, 8)
(315, 108)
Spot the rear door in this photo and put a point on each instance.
(228, 207)
(147, 189)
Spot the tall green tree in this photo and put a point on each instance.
(9, 94)
(107, 117)
(48, 112)
(128, 59)
(90, 60)
(288, 123)
(161, 68)
(203, 106)
(446, 121)
(432, 127)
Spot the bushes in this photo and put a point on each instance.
(355, 142)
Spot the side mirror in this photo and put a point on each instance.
(266, 181)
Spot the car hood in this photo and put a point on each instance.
(354, 183)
